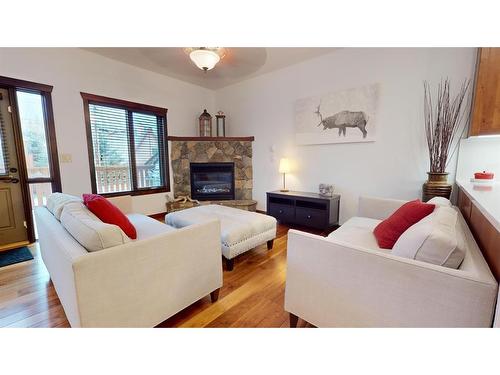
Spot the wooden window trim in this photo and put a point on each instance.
(136, 107)
(131, 107)
(22, 84)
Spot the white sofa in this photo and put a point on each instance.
(345, 280)
(138, 284)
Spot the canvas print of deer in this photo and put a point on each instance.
(340, 117)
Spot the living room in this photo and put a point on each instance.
(328, 184)
(260, 107)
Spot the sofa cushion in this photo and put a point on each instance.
(147, 227)
(57, 201)
(109, 213)
(433, 240)
(389, 230)
(88, 230)
(357, 232)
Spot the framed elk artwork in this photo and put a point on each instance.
(339, 117)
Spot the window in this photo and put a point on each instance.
(31, 116)
(42, 167)
(127, 146)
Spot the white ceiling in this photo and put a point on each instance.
(238, 64)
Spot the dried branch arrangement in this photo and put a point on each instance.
(443, 120)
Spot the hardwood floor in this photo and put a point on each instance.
(252, 294)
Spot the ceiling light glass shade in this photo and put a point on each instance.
(204, 59)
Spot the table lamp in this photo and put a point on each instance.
(284, 168)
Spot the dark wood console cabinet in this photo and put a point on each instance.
(484, 232)
(308, 209)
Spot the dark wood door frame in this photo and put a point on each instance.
(12, 85)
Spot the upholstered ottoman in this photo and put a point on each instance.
(240, 230)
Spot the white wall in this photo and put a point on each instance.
(478, 154)
(393, 166)
(72, 71)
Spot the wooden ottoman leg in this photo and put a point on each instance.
(229, 264)
(270, 244)
(214, 296)
(294, 319)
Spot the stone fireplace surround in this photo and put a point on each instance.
(186, 150)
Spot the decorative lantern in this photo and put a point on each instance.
(221, 124)
(205, 124)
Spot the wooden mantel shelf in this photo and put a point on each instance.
(210, 139)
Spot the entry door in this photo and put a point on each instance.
(13, 232)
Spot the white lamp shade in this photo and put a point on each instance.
(204, 58)
(284, 165)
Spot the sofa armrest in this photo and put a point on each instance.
(332, 284)
(378, 208)
(142, 283)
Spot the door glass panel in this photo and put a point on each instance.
(32, 118)
(38, 196)
(3, 169)
(39, 193)
(3, 146)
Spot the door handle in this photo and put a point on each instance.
(8, 179)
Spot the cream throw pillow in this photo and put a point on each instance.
(432, 240)
(440, 202)
(57, 201)
(88, 230)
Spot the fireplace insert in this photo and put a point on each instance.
(212, 181)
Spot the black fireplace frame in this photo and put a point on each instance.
(214, 196)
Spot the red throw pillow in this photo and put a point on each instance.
(109, 213)
(389, 230)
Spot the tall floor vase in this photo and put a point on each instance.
(436, 186)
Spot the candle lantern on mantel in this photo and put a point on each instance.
(205, 124)
(220, 120)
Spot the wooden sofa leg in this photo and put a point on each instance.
(270, 244)
(294, 319)
(214, 296)
(229, 264)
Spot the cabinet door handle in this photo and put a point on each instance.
(281, 211)
(309, 216)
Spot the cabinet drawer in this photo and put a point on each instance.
(311, 217)
(282, 212)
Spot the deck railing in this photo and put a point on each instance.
(118, 178)
(108, 179)
(39, 193)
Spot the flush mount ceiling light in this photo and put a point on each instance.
(205, 58)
